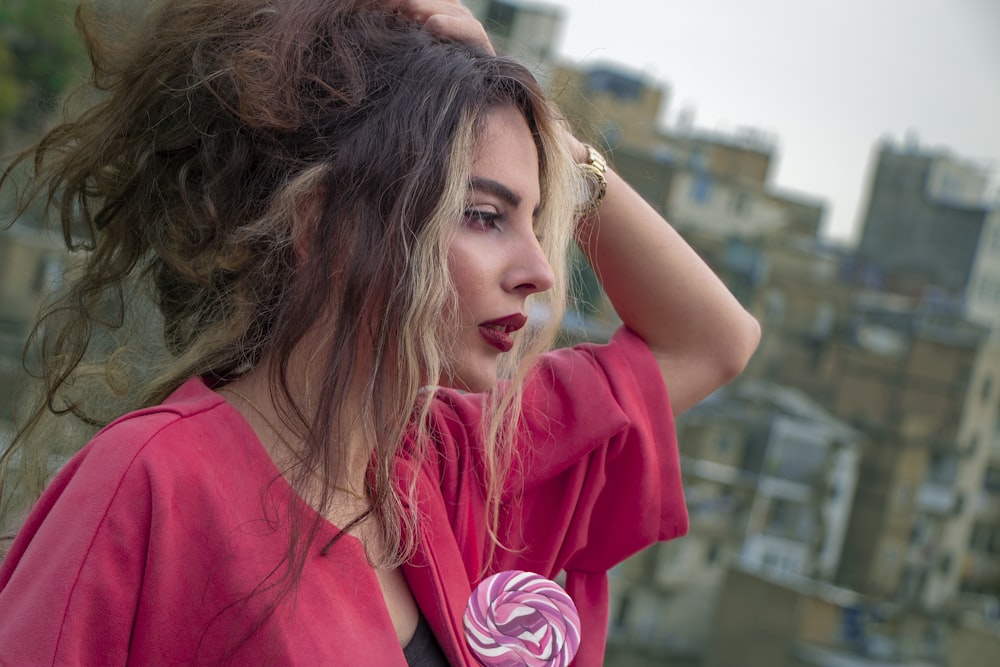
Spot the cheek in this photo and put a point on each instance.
(457, 266)
(471, 268)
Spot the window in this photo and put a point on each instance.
(48, 275)
(991, 480)
(980, 540)
(740, 203)
(890, 554)
(973, 445)
(904, 495)
(824, 319)
(994, 543)
(701, 189)
(943, 468)
(616, 84)
(775, 306)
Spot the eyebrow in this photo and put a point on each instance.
(499, 190)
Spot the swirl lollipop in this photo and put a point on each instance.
(517, 619)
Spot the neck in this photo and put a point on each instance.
(251, 394)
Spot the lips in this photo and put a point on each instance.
(498, 332)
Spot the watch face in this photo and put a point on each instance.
(593, 171)
(596, 186)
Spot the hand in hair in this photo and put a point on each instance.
(448, 19)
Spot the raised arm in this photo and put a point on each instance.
(699, 333)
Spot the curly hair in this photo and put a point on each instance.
(249, 172)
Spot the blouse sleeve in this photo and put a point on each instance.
(598, 477)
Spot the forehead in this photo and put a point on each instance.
(505, 151)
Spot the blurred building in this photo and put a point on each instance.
(978, 567)
(920, 388)
(712, 183)
(918, 381)
(982, 296)
(786, 466)
(904, 377)
(930, 231)
(527, 31)
(974, 642)
(769, 478)
(762, 621)
(612, 107)
(714, 188)
(32, 263)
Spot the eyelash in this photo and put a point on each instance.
(482, 219)
(487, 220)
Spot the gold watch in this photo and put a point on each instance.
(594, 172)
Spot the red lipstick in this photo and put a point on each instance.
(498, 332)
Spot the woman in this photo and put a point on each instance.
(333, 217)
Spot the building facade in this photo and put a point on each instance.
(925, 214)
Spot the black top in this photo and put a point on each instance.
(424, 650)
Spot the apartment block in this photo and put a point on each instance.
(925, 215)
(612, 107)
(769, 479)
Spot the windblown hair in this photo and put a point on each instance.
(253, 171)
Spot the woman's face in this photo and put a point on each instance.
(494, 259)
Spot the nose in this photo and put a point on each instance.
(530, 269)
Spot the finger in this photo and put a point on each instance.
(460, 30)
(421, 10)
(448, 19)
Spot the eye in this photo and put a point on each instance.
(482, 217)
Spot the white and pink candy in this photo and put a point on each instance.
(517, 618)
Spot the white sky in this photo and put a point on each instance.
(826, 78)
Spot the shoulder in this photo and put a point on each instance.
(188, 421)
(192, 408)
(169, 460)
(185, 440)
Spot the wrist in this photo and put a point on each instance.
(577, 149)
